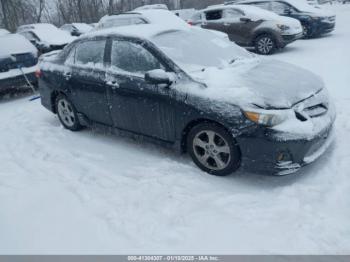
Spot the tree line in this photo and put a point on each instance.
(18, 12)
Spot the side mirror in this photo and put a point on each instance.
(245, 19)
(287, 11)
(157, 77)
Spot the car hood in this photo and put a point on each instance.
(270, 84)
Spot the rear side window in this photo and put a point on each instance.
(213, 15)
(90, 53)
(134, 58)
(232, 14)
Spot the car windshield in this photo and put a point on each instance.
(197, 49)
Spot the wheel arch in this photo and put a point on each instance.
(53, 98)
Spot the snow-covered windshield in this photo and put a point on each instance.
(195, 49)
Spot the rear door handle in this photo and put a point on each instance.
(113, 84)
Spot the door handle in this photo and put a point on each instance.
(67, 75)
(113, 84)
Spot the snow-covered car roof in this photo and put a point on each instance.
(148, 7)
(298, 4)
(12, 44)
(249, 10)
(162, 17)
(144, 31)
(3, 32)
(48, 33)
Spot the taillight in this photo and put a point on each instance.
(190, 22)
(38, 73)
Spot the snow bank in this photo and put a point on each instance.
(3, 32)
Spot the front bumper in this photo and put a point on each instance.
(264, 154)
(17, 82)
(323, 28)
(287, 39)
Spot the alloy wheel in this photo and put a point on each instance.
(265, 45)
(66, 113)
(211, 150)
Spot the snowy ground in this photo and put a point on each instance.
(64, 192)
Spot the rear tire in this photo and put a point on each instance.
(213, 149)
(67, 114)
(265, 44)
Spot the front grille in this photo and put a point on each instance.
(311, 112)
(331, 19)
(18, 60)
(315, 111)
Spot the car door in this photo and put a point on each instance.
(86, 76)
(238, 31)
(136, 105)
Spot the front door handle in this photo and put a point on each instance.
(113, 84)
(67, 75)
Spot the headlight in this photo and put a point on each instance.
(265, 118)
(283, 27)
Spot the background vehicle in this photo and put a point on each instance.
(161, 17)
(3, 32)
(76, 29)
(17, 56)
(189, 89)
(315, 21)
(149, 7)
(46, 37)
(250, 26)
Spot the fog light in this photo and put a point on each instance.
(284, 156)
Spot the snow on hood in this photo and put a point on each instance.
(163, 17)
(54, 36)
(12, 44)
(259, 81)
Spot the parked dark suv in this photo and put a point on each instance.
(315, 21)
(194, 91)
(250, 26)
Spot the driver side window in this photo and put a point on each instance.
(280, 8)
(133, 58)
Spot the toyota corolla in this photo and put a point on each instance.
(190, 90)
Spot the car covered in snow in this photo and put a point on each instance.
(152, 7)
(76, 29)
(314, 19)
(193, 91)
(159, 17)
(18, 62)
(250, 26)
(46, 37)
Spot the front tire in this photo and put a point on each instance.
(265, 44)
(67, 114)
(213, 149)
